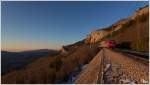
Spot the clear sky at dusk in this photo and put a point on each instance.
(39, 25)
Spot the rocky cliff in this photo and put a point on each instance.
(98, 35)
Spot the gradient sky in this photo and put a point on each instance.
(39, 25)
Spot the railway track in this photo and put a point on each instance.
(113, 67)
(141, 57)
(124, 68)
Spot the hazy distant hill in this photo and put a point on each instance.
(15, 60)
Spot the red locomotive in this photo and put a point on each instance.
(108, 44)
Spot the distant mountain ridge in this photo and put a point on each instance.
(14, 60)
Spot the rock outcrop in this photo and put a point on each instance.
(97, 35)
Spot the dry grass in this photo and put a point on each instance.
(51, 69)
(134, 31)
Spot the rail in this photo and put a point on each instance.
(94, 73)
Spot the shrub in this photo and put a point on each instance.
(56, 63)
(52, 75)
(143, 17)
(124, 45)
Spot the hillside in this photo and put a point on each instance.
(56, 69)
(135, 32)
(132, 31)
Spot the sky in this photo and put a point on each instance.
(28, 25)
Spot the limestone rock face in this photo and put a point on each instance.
(99, 34)
(96, 36)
